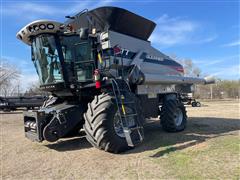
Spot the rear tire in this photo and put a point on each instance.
(99, 124)
(194, 104)
(198, 104)
(173, 116)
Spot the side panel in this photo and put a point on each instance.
(150, 106)
(155, 89)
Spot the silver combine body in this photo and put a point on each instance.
(104, 76)
(161, 73)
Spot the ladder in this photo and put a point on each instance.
(134, 135)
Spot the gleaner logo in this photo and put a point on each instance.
(48, 87)
(154, 57)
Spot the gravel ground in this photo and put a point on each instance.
(208, 148)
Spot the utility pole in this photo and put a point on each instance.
(211, 94)
(18, 89)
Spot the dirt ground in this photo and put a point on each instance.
(208, 148)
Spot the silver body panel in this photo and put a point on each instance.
(159, 77)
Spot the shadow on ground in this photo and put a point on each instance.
(71, 143)
(199, 129)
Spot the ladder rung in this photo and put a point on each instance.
(128, 132)
(135, 128)
(123, 90)
(128, 102)
(129, 115)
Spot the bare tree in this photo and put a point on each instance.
(220, 90)
(8, 76)
(190, 68)
(34, 89)
(196, 71)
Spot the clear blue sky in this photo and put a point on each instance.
(206, 31)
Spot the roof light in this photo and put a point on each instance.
(50, 26)
(42, 26)
(36, 28)
(30, 28)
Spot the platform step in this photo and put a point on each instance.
(129, 133)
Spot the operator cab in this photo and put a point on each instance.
(55, 55)
(60, 58)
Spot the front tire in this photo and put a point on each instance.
(100, 124)
(173, 116)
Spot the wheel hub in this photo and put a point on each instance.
(178, 117)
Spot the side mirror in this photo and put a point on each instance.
(83, 34)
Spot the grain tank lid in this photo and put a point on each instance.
(116, 19)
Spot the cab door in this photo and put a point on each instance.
(84, 61)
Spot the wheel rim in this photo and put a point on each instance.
(118, 124)
(178, 117)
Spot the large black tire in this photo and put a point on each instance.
(99, 124)
(171, 113)
(194, 104)
(198, 104)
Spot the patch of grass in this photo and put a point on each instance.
(230, 143)
(216, 158)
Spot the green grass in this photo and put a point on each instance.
(216, 158)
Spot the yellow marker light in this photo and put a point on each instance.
(99, 58)
(123, 109)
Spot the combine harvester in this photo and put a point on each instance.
(104, 77)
